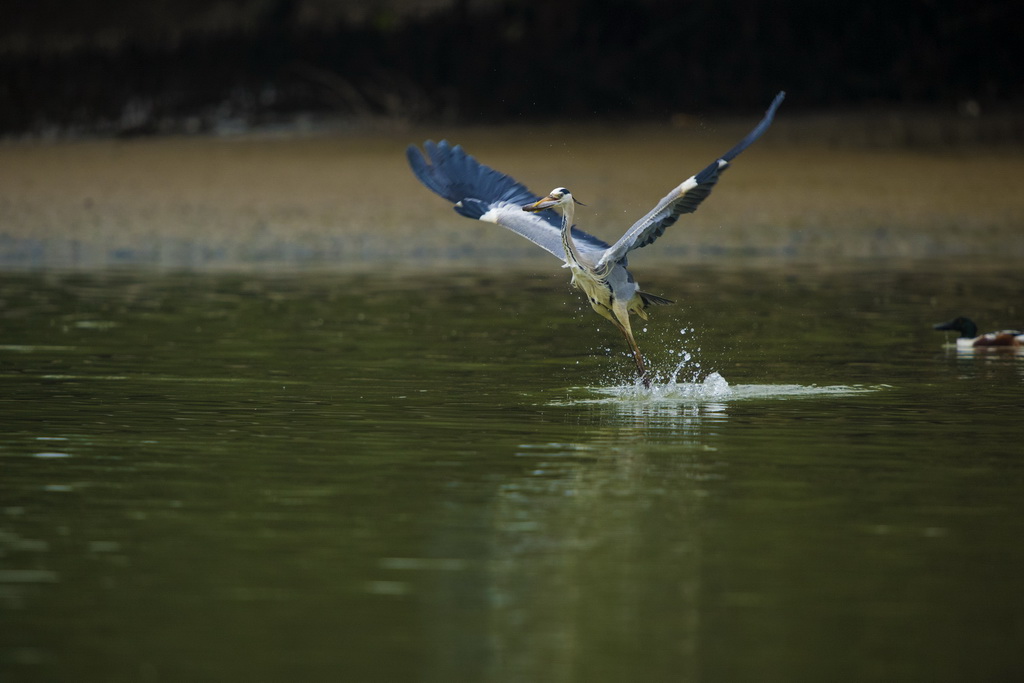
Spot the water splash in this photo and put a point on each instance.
(713, 389)
(688, 366)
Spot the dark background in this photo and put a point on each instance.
(125, 67)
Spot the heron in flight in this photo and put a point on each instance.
(597, 268)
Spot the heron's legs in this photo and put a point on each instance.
(623, 324)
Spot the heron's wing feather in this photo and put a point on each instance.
(481, 192)
(455, 175)
(536, 229)
(685, 198)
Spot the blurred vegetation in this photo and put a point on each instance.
(122, 68)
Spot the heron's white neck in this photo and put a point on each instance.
(572, 254)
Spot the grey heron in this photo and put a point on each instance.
(598, 268)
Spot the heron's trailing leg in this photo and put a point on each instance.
(621, 321)
(637, 356)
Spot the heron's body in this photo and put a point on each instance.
(610, 289)
(598, 269)
(970, 339)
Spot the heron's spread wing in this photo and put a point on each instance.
(685, 198)
(455, 175)
(481, 192)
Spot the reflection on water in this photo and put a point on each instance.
(242, 477)
(993, 353)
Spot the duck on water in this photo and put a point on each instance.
(970, 339)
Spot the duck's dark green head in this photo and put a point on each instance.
(965, 326)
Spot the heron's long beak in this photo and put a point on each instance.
(548, 202)
(541, 204)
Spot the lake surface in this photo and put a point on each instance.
(452, 476)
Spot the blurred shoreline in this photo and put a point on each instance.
(817, 189)
(890, 127)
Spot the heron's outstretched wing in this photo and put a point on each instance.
(481, 192)
(683, 199)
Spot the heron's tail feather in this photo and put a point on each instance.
(653, 299)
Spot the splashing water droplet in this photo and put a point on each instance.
(715, 385)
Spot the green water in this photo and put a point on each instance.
(451, 477)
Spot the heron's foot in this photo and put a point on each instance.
(641, 369)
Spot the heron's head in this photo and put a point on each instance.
(558, 197)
